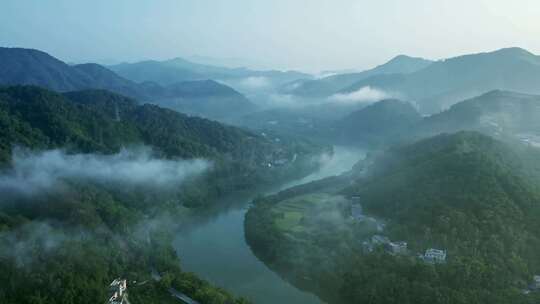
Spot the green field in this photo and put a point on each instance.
(301, 213)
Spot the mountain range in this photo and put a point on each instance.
(32, 67)
(505, 115)
(502, 114)
(443, 83)
(178, 69)
(327, 86)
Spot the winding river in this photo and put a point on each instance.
(216, 249)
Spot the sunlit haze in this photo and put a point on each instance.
(309, 35)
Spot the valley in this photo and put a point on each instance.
(221, 152)
(216, 249)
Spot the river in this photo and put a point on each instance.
(216, 250)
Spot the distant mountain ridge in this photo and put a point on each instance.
(206, 98)
(327, 86)
(33, 67)
(442, 83)
(178, 69)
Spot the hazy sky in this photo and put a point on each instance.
(303, 34)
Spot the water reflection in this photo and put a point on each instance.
(216, 249)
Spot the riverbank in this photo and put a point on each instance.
(215, 249)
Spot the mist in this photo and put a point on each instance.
(364, 95)
(36, 172)
(255, 82)
(332, 164)
(22, 243)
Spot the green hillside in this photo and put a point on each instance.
(109, 229)
(466, 193)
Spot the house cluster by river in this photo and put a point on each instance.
(534, 286)
(431, 255)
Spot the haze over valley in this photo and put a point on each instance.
(244, 152)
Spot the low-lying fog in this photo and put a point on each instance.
(35, 172)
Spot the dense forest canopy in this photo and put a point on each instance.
(82, 220)
(466, 193)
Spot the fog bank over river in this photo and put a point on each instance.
(216, 250)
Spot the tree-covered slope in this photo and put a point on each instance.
(77, 210)
(87, 121)
(497, 113)
(466, 193)
(103, 122)
(376, 124)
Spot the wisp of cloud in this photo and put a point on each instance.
(35, 172)
(363, 95)
(255, 82)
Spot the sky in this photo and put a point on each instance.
(308, 35)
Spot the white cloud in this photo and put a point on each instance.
(363, 95)
(33, 172)
(256, 82)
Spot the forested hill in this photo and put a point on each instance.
(468, 194)
(497, 113)
(504, 115)
(96, 120)
(75, 199)
(103, 122)
(377, 124)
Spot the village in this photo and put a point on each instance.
(431, 255)
(399, 248)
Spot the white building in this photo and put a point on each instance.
(536, 282)
(435, 256)
(397, 247)
(379, 240)
(118, 289)
(356, 212)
